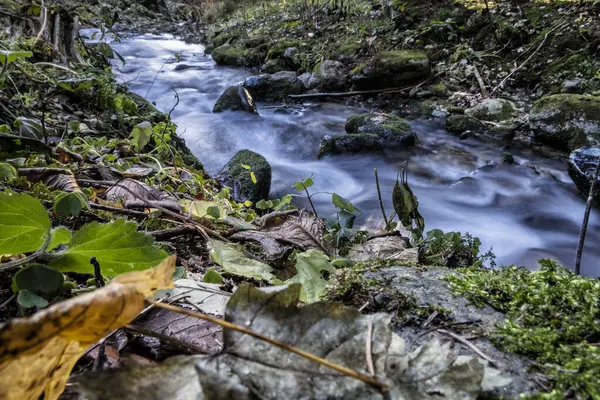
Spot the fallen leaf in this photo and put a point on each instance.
(38, 353)
(233, 260)
(54, 178)
(309, 266)
(135, 190)
(297, 227)
(201, 208)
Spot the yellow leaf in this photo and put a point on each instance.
(253, 177)
(38, 353)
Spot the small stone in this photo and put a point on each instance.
(572, 86)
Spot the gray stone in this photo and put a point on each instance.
(572, 86)
(493, 110)
(346, 144)
(305, 79)
(386, 126)
(582, 166)
(391, 69)
(328, 75)
(274, 87)
(458, 124)
(235, 98)
(239, 179)
(385, 248)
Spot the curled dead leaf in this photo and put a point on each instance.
(38, 353)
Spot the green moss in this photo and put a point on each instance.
(459, 124)
(382, 125)
(278, 49)
(228, 55)
(439, 90)
(358, 69)
(552, 315)
(346, 144)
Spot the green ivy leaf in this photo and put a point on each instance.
(309, 266)
(8, 57)
(8, 173)
(140, 135)
(117, 246)
(69, 204)
(285, 200)
(342, 203)
(264, 204)
(233, 260)
(304, 183)
(24, 223)
(60, 235)
(214, 211)
(212, 276)
(27, 299)
(39, 279)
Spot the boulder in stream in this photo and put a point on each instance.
(236, 98)
(237, 55)
(391, 69)
(274, 87)
(238, 177)
(368, 133)
(328, 76)
(457, 124)
(582, 165)
(566, 121)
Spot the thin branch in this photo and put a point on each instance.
(165, 338)
(228, 325)
(355, 93)
(469, 344)
(7, 302)
(387, 223)
(449, 326)
(480, 81)
(586, 218)
(124, 211)
(174, 232)
(368, 348)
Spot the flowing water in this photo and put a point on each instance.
(524, 212)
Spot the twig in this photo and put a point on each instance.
(302, 353)
(469, 344)
(166, 234)
(124, 211)
(387, 223)
(354, 93)
(364, 306)
(44, 15)
(561, 26)
(310, 201)
(17, 263)
(431, 318)
(586, 218)
(156, 76)
(7, 302)
(489, 14)
(165, 338)
(449, 326)
(480, 81)
(368, 348)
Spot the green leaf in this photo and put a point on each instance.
(27, 299)
(60, 235)
(214, 212)
(8, 57)
(309, 266)
(117, 246)
(5, 129)
(253, 177)
(8, 173)
(233, 260)
(24, 223)
(77, 84)
(342, 203)
(246, 167)
(212, 276)
(264, 204)
(39, 279)
(140, 135)
(180, 273)
(285, 200)
(435, 233)
(304, 183)
(69, 204)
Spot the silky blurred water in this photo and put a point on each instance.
(524, 212)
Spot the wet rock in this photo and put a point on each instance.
(276, 59)
(237, 55)
(388, 127)
(503, 130)
(566, 121)
(328, 75)
(346, 144)
(493, 110)
(236, 98)
(458, 124)
(391, 69)
(572, 86)
(235, 176)
(385, 248)
(305, 78)
(273, 66)
(274, 87)
(291, 56)
(582, 166)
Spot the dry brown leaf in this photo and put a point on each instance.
(54, 178)
(135, 194)
(38, 353)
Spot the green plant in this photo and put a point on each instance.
(452, 249)
(553, 317)
(406, 206)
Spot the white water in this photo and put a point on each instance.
(524, 212)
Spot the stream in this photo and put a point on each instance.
(523, 212)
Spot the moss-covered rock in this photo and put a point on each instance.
(387, 127)
(391, 69)
(347, 144)
(566, 121)
(274, 87)
(328, 76)
(582, 166)
(235, 98)
(238, 55)
(239, 178)
(458, 124)
(493, 110)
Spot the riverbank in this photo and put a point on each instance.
(83, 125)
